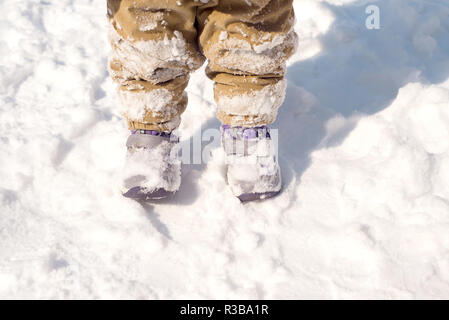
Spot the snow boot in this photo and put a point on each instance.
(153, 169)
(253, 171)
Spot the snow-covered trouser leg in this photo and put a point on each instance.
(154, 48)
(247, 43)
(154, 42)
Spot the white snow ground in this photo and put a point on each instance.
(364, 149)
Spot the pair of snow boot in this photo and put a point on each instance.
(153, 167)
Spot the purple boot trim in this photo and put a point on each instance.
(152, 133)
(247, 133)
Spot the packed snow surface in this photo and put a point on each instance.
(364, 150)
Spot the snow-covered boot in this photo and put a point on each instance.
(253, 171)
(153, 169)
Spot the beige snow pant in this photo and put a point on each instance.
(157, 43)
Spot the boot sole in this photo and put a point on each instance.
(247, 197)
(140, 194)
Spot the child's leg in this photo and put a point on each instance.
(247, 44)
(153, 50)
